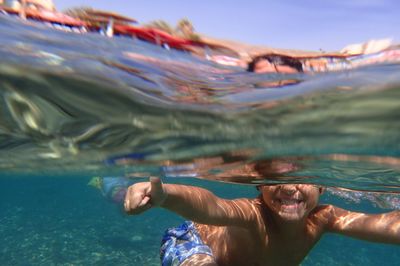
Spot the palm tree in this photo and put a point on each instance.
(96, 18)
(161, 25)
(81, 13)
(184, 28)
(78, 12)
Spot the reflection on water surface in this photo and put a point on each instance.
(120, 106)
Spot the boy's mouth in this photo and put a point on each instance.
(290, 203)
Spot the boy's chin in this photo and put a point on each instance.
(291, 216)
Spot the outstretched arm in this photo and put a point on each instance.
(194, 203)
(384, 228)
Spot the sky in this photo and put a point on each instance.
(297, 24)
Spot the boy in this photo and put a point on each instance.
(278, 228)
(275, 64)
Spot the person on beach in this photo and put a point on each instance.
(275, 64)
(279, 227)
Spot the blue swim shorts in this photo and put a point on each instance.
(179, 243)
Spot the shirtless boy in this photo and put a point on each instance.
(278, 228)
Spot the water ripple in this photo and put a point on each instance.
(75, 102)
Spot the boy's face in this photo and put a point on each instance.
(264, 66)
(291, 202)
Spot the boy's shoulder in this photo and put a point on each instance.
(250, 201)
(323, 215)
(324, 208)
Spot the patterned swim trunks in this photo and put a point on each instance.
(179, 243)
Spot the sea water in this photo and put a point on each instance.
(75, 106)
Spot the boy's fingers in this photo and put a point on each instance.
(146, 207)
(144, 201)
(134, 200)
(143, 196)
(139, 210)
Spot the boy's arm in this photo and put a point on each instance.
(384, 228)
(193, 203)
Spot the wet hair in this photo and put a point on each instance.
(276, 60)
(252, 65)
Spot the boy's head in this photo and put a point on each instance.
(275, 64)
(291, 202)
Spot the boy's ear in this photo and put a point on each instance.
(321, 190)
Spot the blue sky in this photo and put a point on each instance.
(298, 24)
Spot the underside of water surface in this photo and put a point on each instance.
(121, 106)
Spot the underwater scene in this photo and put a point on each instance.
(78, 110)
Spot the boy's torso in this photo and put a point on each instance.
(259, 246)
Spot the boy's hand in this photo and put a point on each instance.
(142, 196)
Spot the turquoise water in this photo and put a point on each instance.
(75, 106)
(61, 221)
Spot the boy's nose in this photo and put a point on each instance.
(289, 189)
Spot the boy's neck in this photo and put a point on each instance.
(291, 229)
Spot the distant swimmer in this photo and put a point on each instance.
(275, 64)
(279, 227)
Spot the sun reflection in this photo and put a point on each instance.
(383, 228)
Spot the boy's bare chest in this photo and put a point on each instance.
(286, 252)
(240, 247)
